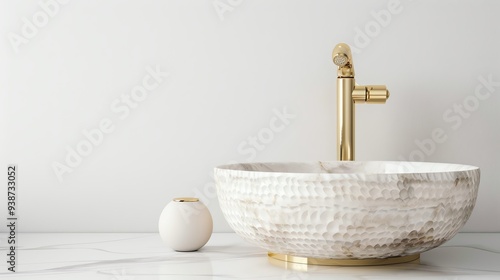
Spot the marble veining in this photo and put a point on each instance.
(347, 210)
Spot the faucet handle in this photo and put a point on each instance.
(373, 94)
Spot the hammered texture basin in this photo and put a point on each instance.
(349, 209)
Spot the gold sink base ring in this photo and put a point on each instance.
(340, 262)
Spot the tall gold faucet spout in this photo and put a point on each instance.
(348, 93)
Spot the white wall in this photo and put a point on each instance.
(230, 71)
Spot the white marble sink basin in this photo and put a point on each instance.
(347, 210)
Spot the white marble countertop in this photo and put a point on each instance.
(143, 256)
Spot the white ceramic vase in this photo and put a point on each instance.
(185, 224)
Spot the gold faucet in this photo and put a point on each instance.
(348, 93)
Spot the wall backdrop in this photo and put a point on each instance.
(112, 108)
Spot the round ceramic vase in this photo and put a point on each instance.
(185, 224)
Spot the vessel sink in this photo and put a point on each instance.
(347, 209)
